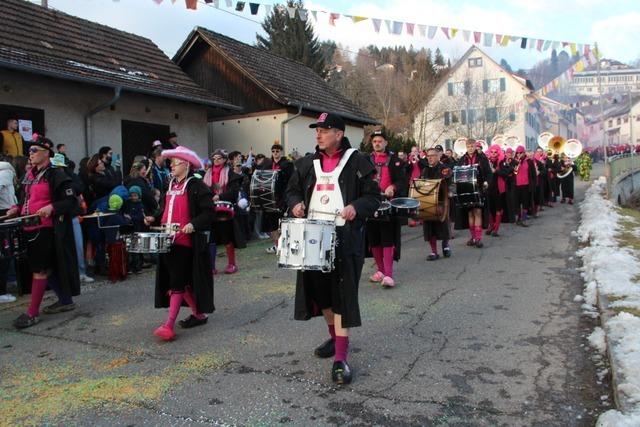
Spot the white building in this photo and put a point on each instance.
(613, 81)
(479, 99)
(621, 122)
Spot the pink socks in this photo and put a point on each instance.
(38, 286)
(332, 331)
(231, 254)
(387, 259)
(377, 255)
(190, 298)
(342, 348)
(175, 301)
(433, 242)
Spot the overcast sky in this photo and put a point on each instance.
(614, 24)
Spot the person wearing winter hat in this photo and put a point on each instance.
(497, 192)
(525, 177)
(112, 226)
(184, 274)
(51, 250)
(225, 186)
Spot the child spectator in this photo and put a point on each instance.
(133, 211)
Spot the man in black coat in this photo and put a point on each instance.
(334, 295)
(271, 219)
(383, 232)
(51, 252)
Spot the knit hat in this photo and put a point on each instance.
(220, 152)
(520, 149)
(115, 202)
(135, 189)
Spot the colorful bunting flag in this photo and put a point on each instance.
(240, 6)
(453, 33)
(488, 38)
(302, 13)
(532, 43)
(333, 17)
(445, 30)
(477, 37)
(423, 30)
(314, 13)
(397, 27)
(253, 7)
(574, 49)
(229, 3)
(546, 46)
(192, 4)
(357, 19)
(376, 24)
(410, 28)
(539, 45)
(523, 43)
(432, 31)
(466, 34)
(505, 41)
(498, 39)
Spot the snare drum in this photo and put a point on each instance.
(224, 211)
(148, 243)
(405, 207)
(465, 179)
(263, 190)
(383, 213)
(307, 244)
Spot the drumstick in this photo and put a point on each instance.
(324, 212)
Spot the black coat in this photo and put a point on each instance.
(439, 230)
(201, 209)
(400, 180)
(461, 218)
(65, 207)
(359, 190)
(234, 185)
(286, 170)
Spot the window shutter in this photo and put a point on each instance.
(446, 117)
(450, 88)
(463, 117)
(503, 84)
(485, 86)
(467, 87)
(512, 116)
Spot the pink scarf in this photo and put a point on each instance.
(217, 178)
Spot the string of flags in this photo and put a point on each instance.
(399, 27)
(566, 77)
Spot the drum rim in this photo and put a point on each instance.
(415, 203)
(307, 221)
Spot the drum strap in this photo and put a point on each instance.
(173, 193)
(379, 166)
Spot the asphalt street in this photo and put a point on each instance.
(488, 337)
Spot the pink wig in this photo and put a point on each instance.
(496, 147)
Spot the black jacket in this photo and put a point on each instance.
(201, 209)
(65, 207)
(286, 170)
(398, 172)
(359, 190)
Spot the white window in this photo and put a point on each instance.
(458, 88)
(475, 62)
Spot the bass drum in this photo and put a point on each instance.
(433, 198)
(262, 190)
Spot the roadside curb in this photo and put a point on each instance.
(605, 315)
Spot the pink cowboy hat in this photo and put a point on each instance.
(185, 154)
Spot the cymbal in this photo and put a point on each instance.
(98, 214)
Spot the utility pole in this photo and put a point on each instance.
(631, 142)
(601, 102)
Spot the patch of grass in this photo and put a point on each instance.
(38, 395)
(633, 311)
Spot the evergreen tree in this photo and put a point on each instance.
(292, 38)
(439, 59)
(504, 64)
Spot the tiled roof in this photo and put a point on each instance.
(48, 42)
(288, 82)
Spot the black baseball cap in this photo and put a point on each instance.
(328, 121)
(378, 132)
(439, 147)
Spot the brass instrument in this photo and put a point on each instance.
(460, 147)
(556, 144)
(543, 140)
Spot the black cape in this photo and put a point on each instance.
(201, 209)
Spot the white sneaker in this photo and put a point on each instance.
(7, 298)
(264, 236)
(86, 279)
(272, 250)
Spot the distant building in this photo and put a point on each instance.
(621, 123)
(615, 76)
(278, 97)
(87, 85)
(480, 99)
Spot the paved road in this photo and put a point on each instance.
(487, 337)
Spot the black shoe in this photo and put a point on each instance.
(488, 232)
(341, 373)
(446, 252)
(58, 307)
(25, 321)
(479, 244)
(495, 234)
(433, 257)
(471, 242)
(192, 321)
(326, 349)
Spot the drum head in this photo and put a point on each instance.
(405, 203)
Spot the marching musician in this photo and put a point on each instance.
(271, 220)
(383, 237)
(334, 178)
(413, 166)
(525, 177)
(497, 192)
(540, 194)
(565, 177)
(475, 216)
(437, 230)
(225, 185)
(184, 273)
(51, 251)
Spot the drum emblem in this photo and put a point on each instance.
(313, 241)
(324, 199)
